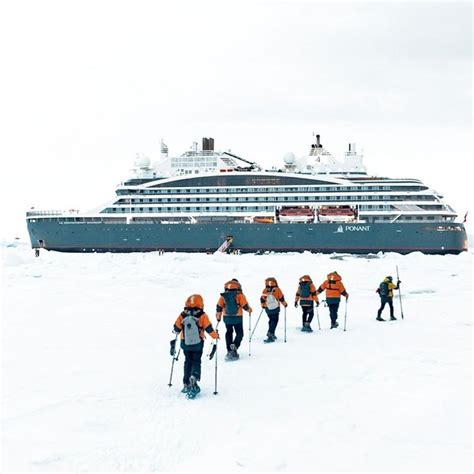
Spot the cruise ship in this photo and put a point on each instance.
(206, 200)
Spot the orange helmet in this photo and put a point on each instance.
(270, 281)
(195, 301)
(334, 276)
(306, 278)
(232, 285)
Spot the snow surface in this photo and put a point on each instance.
(86, 367)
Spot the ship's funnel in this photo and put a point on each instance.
(208, 144)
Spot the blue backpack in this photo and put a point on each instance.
(231, 305)
(305, 290)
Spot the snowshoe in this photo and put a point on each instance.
(229, 356)
(185, 388)
(235, 354)
(393, 318)
(193, 389)
(378, 318)
(268, 340)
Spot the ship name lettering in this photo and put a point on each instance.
(357, 228)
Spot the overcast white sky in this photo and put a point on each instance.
(86, 85)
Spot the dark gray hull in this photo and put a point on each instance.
(326, 238)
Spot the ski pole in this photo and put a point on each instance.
(172, 363)
(400, 294)
(345, 316)
(250, 336)
(215, 371)
(317, 316)
(256, 324)
(213, 353)
(285, 323)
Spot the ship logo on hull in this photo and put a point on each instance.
(352, 228)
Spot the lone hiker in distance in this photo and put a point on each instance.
(385, 291)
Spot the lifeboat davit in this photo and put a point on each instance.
(336, 214)
(303, 214)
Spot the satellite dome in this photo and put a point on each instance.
(289, 158)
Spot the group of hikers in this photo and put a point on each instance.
(192, 324)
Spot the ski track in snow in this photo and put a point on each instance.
(86, 367)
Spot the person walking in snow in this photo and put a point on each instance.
(306, 297)
(230, 305)
(191, 324)
(385, 291)
(270, 300)
(334, 288)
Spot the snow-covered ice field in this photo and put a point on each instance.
(86, 364)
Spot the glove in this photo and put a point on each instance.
(398, 282)
(285, 304)
(317, 304)
(172, 347)
(262, 305)
(296, 304)
(213, 351)
(347, 296)
(250, 310)
(218, 317)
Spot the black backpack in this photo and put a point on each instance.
(383, 289)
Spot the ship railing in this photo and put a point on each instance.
(44, 213)
(200, 152)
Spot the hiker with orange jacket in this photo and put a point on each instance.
(270, 300)
(230, 305)
(334, 288)
(191, 325)
(306, 297)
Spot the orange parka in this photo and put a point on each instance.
(333, 287)
(306, 301)
(203, 324)
(276, 292)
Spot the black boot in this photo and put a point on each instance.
(379, 318)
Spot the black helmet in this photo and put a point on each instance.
(389, 278)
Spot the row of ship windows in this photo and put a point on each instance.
(276, 199)
(151, 221)
(302, 189)
(241, 208)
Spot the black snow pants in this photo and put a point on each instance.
(273, 318)
(229, 335)
(333, 308)
(383, 302)
(308, 314)
(192, 364)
